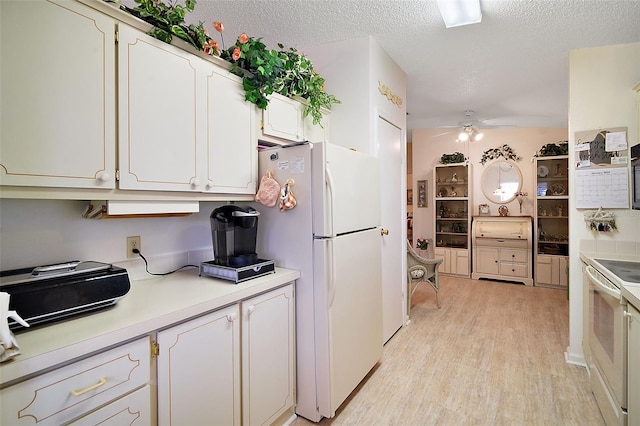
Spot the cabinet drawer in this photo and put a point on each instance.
(513, 255)
(133, 409)
(513, 270)
(73, 390)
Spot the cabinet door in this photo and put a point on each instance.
(633, 366)
(283, 118)
(58, 101)
(445, 255)
(232, 160)
(460, 260)
(486, 261)
(268, 352)
(199, 371)
(161, 115)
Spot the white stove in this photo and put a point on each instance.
(621, 272)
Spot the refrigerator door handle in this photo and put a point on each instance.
(332, 273)
(329, 181)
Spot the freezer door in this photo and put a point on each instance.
(346, 186)
(348, 314)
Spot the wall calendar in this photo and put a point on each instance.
(602, 187)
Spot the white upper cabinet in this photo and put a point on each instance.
(230, 133)
(162, 107)
(283, 119)
(57, 95)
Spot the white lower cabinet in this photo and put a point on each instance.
(201, 363)
(552, 270)
(454, 261)
(199, 370)
(73, 391)
(502, 263)
(133, 409)
(268, 356)
(633, 366)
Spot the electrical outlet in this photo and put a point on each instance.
(133, 243)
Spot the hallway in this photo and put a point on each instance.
(493, 355)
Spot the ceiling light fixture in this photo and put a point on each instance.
(460, 12)
(469, 134)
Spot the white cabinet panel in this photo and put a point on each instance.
(283, 118)
(268, 353)
(58, 101)
(633, 366)
(199, 371)
(552, 270)
(133, 409)
(161, 115)
(231, 135)
(71, 391)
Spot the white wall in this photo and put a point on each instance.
(36, 232)
(429, 144)
(601, 95)
(352, 70)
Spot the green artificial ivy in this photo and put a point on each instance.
(263, 71)
(504, 151)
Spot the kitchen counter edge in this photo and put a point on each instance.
(151, 304)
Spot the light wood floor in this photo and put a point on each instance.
(493, 355)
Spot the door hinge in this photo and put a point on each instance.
(117, 174)
(155, 349)
(117, 34)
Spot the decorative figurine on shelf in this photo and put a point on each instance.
(454, 178)
(503, 210)
(453, 192)
(520, 197)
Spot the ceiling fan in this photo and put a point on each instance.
(470, 127)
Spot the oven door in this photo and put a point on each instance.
(607, 347)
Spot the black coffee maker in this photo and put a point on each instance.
(234, 230)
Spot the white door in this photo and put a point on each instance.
(393, 210)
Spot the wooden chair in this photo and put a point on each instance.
(421, 270)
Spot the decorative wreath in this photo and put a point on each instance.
(502, 151)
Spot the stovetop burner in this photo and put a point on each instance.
(628, 271)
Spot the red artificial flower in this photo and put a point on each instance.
(211, 47)
(243, 38)
(218, 26)
(236, 54)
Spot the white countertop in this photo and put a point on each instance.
(631, 292)
(150, 305)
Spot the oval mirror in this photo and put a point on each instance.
(500, 181)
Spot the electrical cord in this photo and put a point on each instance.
(146, 265)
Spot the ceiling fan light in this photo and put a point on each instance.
(478, 136)
(460, 12)
(463, 137)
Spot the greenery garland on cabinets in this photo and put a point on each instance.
(263, 71)
(504, 151)
(456, 157)
(553, 149)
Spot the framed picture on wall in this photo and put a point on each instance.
(422, 193)
(483, 210)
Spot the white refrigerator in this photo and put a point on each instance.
(332, 236)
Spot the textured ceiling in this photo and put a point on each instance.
(511, 69)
